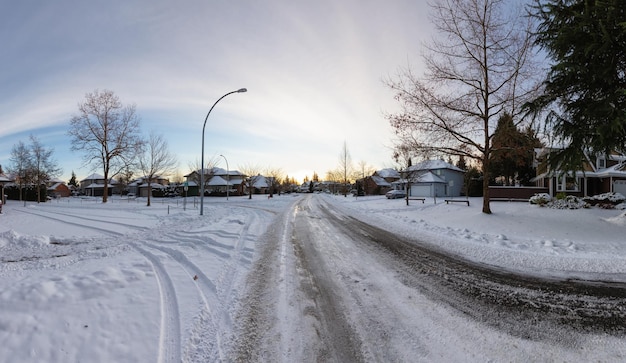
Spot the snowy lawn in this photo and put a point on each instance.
(121, 282)
(583, 243)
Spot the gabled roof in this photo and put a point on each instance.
(261, 182)
(388, 173)
(434, 165)
(56, 185)
(380, 181)
(94, 176)
(429, 177)
(217, 180)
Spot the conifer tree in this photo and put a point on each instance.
(585, 88)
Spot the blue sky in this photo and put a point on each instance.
(314, 71)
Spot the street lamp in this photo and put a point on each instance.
(241, 90)
(227, 175)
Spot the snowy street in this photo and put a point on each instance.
(309, 278)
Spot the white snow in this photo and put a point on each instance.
(122, 282)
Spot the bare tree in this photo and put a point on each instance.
(334, 177)
(274, 178)
(21, 165)
(479, 68)
(253, 175)
(156, 160)
(44, 166)
(345, 167)
(107, 132)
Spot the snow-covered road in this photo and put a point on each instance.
(344, 292)
(293, 278)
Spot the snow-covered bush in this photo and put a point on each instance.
(607, 200)
(540, 199)
(563, 202)
(569, 202)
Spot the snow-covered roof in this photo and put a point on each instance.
(388, 173)
(56, 185)
(429, 178)
(433, 165)
(216, 171)
(260, 182)
(94, 176)
(96, 185)
(217, 180)
(378, 180)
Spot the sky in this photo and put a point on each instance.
(314, 71)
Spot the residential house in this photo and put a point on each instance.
(432, 178)
(139, 186)
(216, 181)
(93, 186)
(380, 182)
(4, 179)
(57, 188)
(604, 174)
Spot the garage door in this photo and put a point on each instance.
(420, 190)
(619, 186)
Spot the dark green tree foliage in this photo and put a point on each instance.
(512, 152)
(585, 88)
(73, 180)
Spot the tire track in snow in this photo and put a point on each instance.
(170, 333)
(214, 320)
(51, 216)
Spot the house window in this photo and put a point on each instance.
(568, 184)
(601, 163)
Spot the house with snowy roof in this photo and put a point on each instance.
(57, 188)
(216, 181)
(603, 174)
(139, 186)
(380, 182)
(432, 178)
(93, 185)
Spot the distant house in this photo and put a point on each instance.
(93, 186)
(604, 174)
(216, 181)
(432, 178)
(57, 188)
(139, 186)
(380, 182)
(4, 179)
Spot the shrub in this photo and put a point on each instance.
(540, 199)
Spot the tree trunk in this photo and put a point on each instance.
(486, 206)
(105, 190)
(149, 192)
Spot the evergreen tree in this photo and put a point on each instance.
(586, 41)
(73, 180)
(512, 152)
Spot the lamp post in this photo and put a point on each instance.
(227, 175)
(241, 90)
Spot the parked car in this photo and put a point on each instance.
(395, 194)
